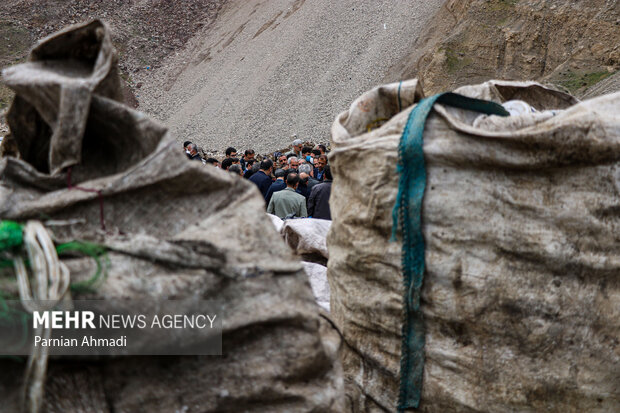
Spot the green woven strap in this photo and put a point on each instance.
(407, 216)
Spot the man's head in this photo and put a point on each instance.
(321, 162)
(212, 161)
(328, 173)
(282, 160)
(306, 150)
(293, 162)
(305, 169)
(235, 161)
(303, 178)
(226, 163)
(248, 154)
(280, 173)
(249, 163)
(297, 144)
(192, 148)
(231, 152)
(316, 153)
(266, 165)
(292, 180)
(235, 169)
(322, 148)
(186, 143)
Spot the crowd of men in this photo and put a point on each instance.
(296, 184)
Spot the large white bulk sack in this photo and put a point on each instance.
(307, 237)
(520, 218)
(317, 275)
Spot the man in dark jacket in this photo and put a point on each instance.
(278, 185)
(262, 178)
(248, 171)
(319, 171)
(193, 152)
(310, 182)
(247, 156)
(302, 187)
(318, 202)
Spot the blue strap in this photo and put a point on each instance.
(407, 213)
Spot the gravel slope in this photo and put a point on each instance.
(608, 85)
(265, 70)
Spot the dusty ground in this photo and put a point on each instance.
(267, 70)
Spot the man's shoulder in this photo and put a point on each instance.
(258, 176)
(279, 194)
(321, 186)
(298, 196)
(287, 191)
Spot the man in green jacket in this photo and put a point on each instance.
(287, 201)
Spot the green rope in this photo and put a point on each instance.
(11, 239)
(407, 216)
(10, 235)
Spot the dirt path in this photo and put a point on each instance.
(268, 69)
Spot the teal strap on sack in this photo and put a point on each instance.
(407, 216)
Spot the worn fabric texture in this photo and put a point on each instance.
(54, 88)
(307, 237)
(317, 275)
(277, 222)
(521, 296)
(174, 229)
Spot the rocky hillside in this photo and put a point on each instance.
(144, 32)
(243, 73)
(573, 45)
(267, 70)
(251, 74)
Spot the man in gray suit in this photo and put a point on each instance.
(287, 201)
